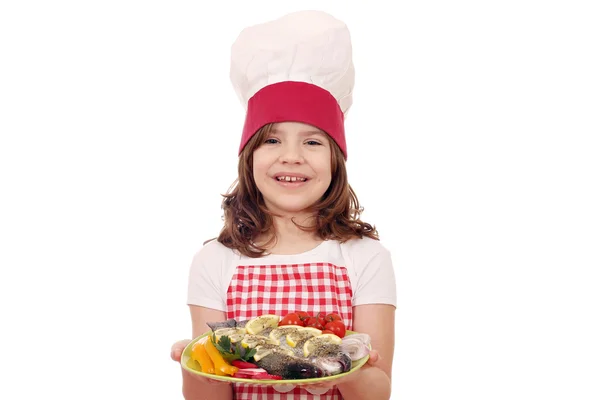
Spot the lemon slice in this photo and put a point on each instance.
(264, 350)
(283, 330)
(250, 341)
(235, 334)
(267, 349)
(312, 331)
(313, 343)
(301, 334)
(259, 324)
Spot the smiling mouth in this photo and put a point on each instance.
(290, 179)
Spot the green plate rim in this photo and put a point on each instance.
(185, 359)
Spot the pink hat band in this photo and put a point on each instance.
(298, 102)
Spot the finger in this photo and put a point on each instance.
(178, 348)
(317, 385)
(373, 357)
(283, 388)
(316, 390)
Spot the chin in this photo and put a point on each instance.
(291, 209)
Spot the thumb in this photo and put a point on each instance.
(373, 357)
(177, 348)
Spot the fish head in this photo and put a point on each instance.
(304, 370)
(333, 364)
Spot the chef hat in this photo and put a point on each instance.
(295, 68)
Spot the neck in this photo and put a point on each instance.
(290, 238)
(286, 229)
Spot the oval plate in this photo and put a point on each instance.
(194, 367)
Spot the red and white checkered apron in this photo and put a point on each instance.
(281, 289)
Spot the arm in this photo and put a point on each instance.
(373, 382)
(195, 387)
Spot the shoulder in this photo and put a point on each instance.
(213, 251)
(364, 247)
(373, 272)
(366, 254)
(207, 282)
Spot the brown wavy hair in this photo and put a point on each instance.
(246, 217)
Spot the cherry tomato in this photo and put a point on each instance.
(314, 322)
(337, 327)
(291, 319)
(326, 331)
(303, 315)
(332, 317)
(321, 318)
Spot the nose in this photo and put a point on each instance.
(291, 154)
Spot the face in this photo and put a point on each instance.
(292, 167)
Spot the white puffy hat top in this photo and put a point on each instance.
(295, 68)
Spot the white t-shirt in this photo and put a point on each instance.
(367, 262)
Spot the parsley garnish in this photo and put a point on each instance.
(231, 351)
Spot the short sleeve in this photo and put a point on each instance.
(206, 279)
(376, 280)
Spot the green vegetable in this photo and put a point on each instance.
(231, 351)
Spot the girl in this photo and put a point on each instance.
(292, 238)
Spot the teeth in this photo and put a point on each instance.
(290, 179)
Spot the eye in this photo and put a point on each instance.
(313, 143)
(271, 141)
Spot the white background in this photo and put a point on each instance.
(472, 145)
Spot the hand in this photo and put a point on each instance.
(321, 388)
(176, 351)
